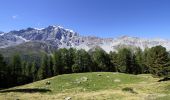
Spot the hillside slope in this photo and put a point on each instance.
(32, 48)
(92, 86)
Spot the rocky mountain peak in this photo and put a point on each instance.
(60, 37)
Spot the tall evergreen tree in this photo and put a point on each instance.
(113, 57)
(16, 69)
(125, 61)
(33, 71)
(159, 62)
(102, 60)
(146, 59)
(24, 67)
(64, 60)
(82, 62)
(139, 61)
(50, 65)
(71, 58)
(3, 72)
(43, 71)
(28, 69)
(16, 64)
(57, 63)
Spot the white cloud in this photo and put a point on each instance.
(14, 16)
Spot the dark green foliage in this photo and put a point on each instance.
(50, 65)
(3, 71)
(64, 61)
(113, 59)
(146, 61)
(82, 62)
(16, 65)
(139, 63)
(2, 66)
(17, 69)
(158, 61)
(71, 59)
(76, 68)
(125, 61)
(33, 71)
(102, 60)
(44, 70)
(21, 69)
(57, 63)
(28, 69)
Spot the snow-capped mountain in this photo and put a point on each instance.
(60, 37)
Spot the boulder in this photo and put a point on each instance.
(67, 98)
(48, 83)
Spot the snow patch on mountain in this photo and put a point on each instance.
(22, 38)
(65, 38)
(2, 34)
(39, 28)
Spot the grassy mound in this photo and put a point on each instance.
(97, 85)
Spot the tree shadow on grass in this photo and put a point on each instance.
(31, 90)
(164, 79)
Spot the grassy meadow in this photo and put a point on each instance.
(92, 86)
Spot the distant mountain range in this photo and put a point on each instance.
(54, 37)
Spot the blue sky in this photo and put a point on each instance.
(104, 18)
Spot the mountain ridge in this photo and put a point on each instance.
(60, 37)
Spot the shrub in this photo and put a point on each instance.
(129, 89)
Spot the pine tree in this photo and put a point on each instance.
(113, 57)
(50, 65)
(33, 71)
(83, 61)
(16, 64)
(139, 61)
(125, 61)
(146, 59)
(78, 65)
(2, 66)
(159, 62)
(24, 68)
(43, 70)
(57, 63)
(102, 60)
(17, 70)
(65, 60)
(3, 72)
(28, 69)
(71, 57)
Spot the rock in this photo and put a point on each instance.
(108, 76)
(99, 75)
(67, 98)
(48, 83)
(117, 80)
(84, 79)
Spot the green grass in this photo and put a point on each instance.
(93, 82)
(97, 86)
(167, 97)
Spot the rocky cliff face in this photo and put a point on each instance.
(60, 37)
